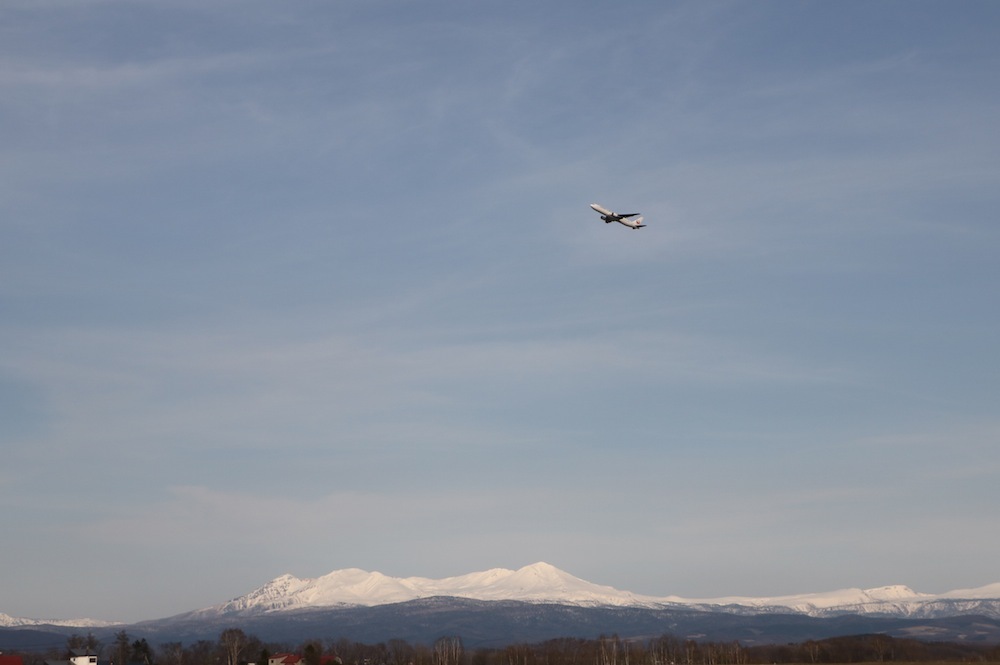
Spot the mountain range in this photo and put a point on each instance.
(544, 583)
(540, 601)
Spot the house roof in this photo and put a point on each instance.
(287, 658)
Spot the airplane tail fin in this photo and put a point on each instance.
(638, 221)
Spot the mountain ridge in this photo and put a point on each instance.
(543, 582)
(8, 621)
(537, 582)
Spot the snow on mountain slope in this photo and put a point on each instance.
(813, 602)
(535, 583)
(7, 621)
(275, 595)
(542, 582)
(991, 591)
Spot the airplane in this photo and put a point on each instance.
(609, 217)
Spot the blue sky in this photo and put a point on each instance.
(294, 287)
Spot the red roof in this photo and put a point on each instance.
(11, 660)
(285, 658)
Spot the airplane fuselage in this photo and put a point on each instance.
(625, 220)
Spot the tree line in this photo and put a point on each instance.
(235, 647)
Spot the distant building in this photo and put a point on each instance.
(77, 657)
(10, 660)
(284, 659)
(82, 657)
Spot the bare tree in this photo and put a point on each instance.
(882, 646)
(89, 643)
(202, 652)
(812, 648)
(448, 651)
(609, 650)
(232, 641)
(171, 653)
(400, 652)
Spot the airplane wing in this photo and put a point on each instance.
(631, 214)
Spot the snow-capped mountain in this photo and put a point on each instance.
(538, 582)
(541, 582)
(7, 621)
(889, 601)
(544, 583)
(883, 600)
